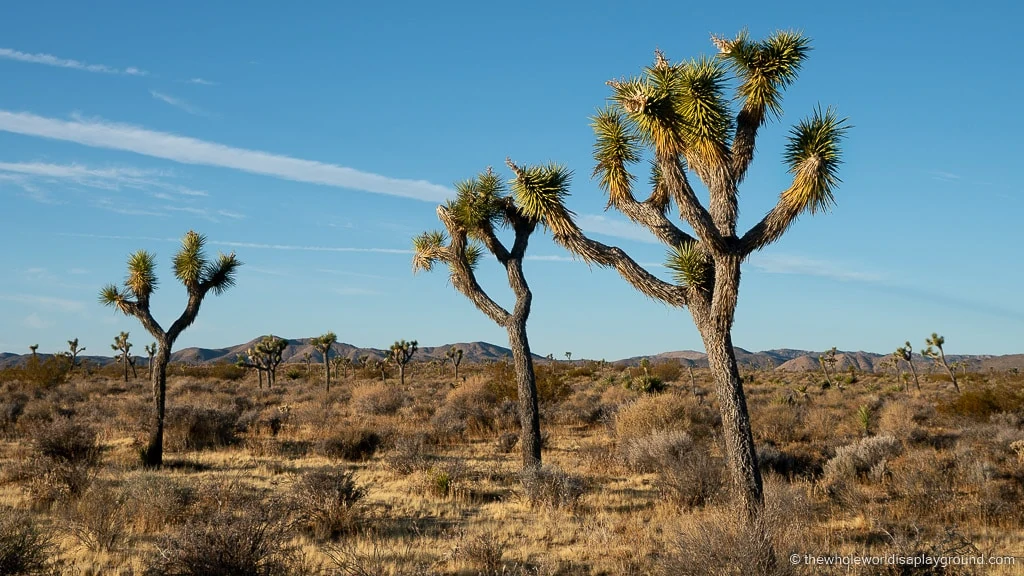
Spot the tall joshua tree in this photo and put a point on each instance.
(480, 206)
(401, 354)
(323, 345)
(906, 353)
(123, 347)
(681, 116)
(939, 357)
(265, 356)
(73, 352)
(827, 361)
(454, 355)
(200, 276)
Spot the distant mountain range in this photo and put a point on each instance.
(474, 352)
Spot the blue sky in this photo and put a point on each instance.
(316, 140)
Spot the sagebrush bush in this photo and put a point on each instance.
(252, 541)
(443, 479)
(665, 412)
(377, 398)
(99, 519)
(325, 501)
(980, 403)
(351, 443)
(155, 501)
(24, 548)
(860, 457)
(408, 454)
(66, 440)
(548, 485)
(200, 428)
(691, 478)
(468, 408)
(653, 451)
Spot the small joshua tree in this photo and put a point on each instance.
(150, 351)
(200, 276)
(828, 362)
(323, 345)
(481, 207)
(939, 357)
(906, 353)
(265, 356)
(454, 355)
(308, 359)
(34, 348)
(123, 346)
(401, 354)
(74, 351)
(251, 360)
(568, 356)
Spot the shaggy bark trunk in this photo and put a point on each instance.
(401, 373)
(526, 382)
(739, 441)
(914, 372)
(154, 455)
(327, 373)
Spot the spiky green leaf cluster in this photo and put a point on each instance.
(813, 155)
(428, 248)
(615, 148)
(765, 68)
(141, 280)
(540, 193)
(704, 112)
(190, 260)
(479, 203)
(691, 267)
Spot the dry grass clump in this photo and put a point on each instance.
(156, 501)
(550, 486)
(408, 454)
(351, 443)
(467, 409)
(200, 428)
(24, 548)
(860, 458)
(326, 501)
(99, 519)
(62, 465)
(442, 479)
(664, 412)
(378, 399)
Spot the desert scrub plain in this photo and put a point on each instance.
(377, 478)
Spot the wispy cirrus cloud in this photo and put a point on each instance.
(51, 60)
(793, 264)
(178, 103)
(251, 245)
(186, 150)
(201, 81)
(44, 302)
(605, 226)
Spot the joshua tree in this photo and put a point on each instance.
(323, 345)
(382, 366)
(454, 355)
(568, 356)
(482, 205)
(827, 361)
(74, 351)
(680, 116)
(341, 365)
(401, 354)
(265, 356)
(308, 359)
(939, 357)
(251, 360)
(200, 276)
(906, 353)
(150, 351)
(123, 346)
(34, 348)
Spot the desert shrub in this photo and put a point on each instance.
(665, 412)
(294, 373)
(691, 478)
(551, 385)
(550, 486)
(155, 501)
(923, 478)
(780, 423)
(859, 458)
(466, 409)
(667, 371)
(507, 442)
(484, 552)
(651, 452)
(253, 541)
(377, 398)
(795, 461)
(325, 501)
(24, 549)
(99, 519)
(722, 543)
(40, 373)
(200, 428)
(351, 443)
(66, 440)
(900, 419)
(444, 478)
(583, 408)
(11, 409)
(408, 454)
(980, 403)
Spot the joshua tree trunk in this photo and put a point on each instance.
(914, 372)
(739, 440)
(154, 455)
(526, 384)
